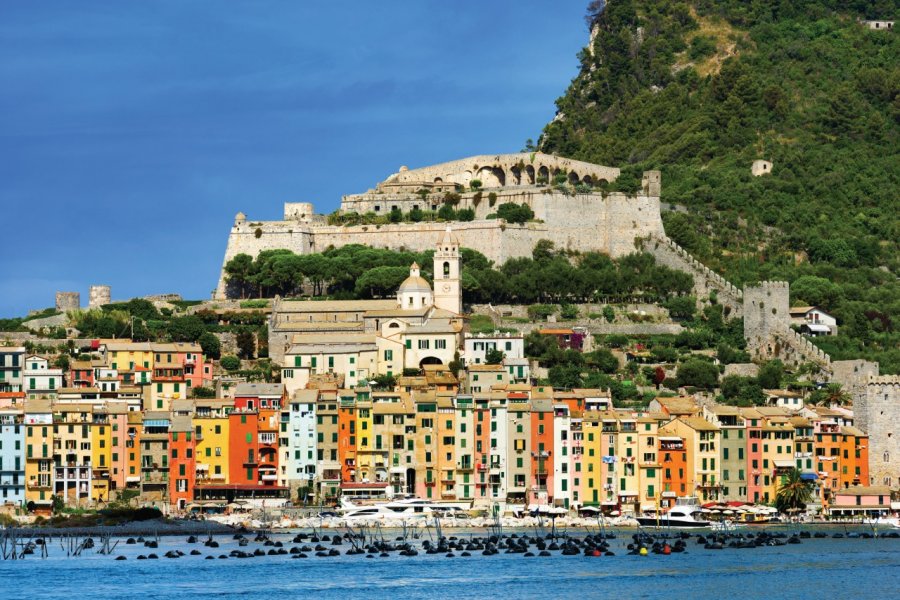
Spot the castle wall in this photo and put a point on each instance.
(581, 222)
(668, 253)
(767, 328)
(252, 237)
(879, 416)
(853, 375)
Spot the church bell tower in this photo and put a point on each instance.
(447, 284)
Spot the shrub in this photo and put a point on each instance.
(568, 312)
(541, 311)
(515, 213)
(230, 363)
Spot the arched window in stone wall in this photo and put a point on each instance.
(887, 456)
(446, 270)
(515, 174)
(543, 174)
(529, 175)
(573, 177)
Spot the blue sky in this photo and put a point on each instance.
(132, 132)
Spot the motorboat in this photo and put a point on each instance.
(685, 513)
(407, 508)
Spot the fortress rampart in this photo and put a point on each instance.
(583, 222)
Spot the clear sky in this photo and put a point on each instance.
(132, 132)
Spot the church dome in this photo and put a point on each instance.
(415, 282)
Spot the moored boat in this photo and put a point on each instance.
(685, 513)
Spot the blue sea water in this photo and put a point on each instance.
(833, 568)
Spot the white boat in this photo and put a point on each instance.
(408, 508)
(889, 521)
(685, 513)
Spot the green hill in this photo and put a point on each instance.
(701, 89)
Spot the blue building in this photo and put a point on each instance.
(12, 457)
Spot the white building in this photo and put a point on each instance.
(39, 379)
(476, 347)
(299, 453)
(813, 321)
(564, 459)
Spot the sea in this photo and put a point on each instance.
(816, 568)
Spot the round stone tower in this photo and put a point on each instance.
(99, 295)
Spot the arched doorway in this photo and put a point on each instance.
(430, 360)
(411, 481)
(543, 175)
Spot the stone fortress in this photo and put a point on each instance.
(584, 221)
(589, 219)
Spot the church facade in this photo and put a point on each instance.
(357, 340)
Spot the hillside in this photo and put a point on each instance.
(701, 89)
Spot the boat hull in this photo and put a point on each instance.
(676, 523)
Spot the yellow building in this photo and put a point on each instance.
(649, 466)
(593, 491)
(701, 440)
(101, 455)
(73, 453)
(210, 423)
(38, 454)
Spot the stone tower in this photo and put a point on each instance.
(766, 313)
(879, 416)
(447, 283)
(99, 295)
(66, 301)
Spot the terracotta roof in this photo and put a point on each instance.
(698, 424)
(859, 490)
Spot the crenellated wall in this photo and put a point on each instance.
(767, 327)
(668, 253)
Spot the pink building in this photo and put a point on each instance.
(861, 501)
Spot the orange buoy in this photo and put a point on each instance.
(667, 549)
(596, 552)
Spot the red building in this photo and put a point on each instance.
(182, 463)
(81, 374)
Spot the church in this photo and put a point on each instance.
(360, 339)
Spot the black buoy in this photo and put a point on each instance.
(121, 558)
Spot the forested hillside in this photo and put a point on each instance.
(701, 89)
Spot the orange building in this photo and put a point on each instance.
(542, 441)
(347, 435)
(673, 462)
(243, 467)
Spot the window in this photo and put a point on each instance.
(389, 354)
(424, 344)
(440, 344)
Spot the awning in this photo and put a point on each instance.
(628, 493)
(810, 477)
(668, 495)
(817, 327)
(784, 464)
(156, 423)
